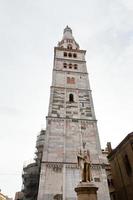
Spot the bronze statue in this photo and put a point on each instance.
(85, 165)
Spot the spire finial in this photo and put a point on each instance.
(67, 34)
(68, 29)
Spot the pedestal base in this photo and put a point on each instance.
(86, 191)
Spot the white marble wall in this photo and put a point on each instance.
(69, 124)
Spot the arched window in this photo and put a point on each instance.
(71, 98)
(69, 46)
(65, 65)
(70, 55)
(75, 55)
(65, 54)
(70, 66)
(75, 66)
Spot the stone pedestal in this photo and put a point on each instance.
(86, 191)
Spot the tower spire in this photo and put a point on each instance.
(68, 39)
(67, 34)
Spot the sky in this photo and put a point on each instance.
(29, 30)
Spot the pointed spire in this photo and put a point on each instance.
(68, 39)
(68, 29)
(67, 34)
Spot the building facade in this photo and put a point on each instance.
(71, 126)
(121, 162)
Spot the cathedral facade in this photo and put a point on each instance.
(71, 126)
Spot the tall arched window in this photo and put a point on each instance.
(65, 65)
(65, 54)
(70, 66)
(75, 55)
(71, 98)
(75, 66)
(70, 55)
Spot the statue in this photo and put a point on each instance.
(85, 165)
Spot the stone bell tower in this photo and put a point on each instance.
(71, 126)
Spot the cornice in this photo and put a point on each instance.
(74, 72)
(71, 88)
(69, 50)
(70, 59)
(70, 118)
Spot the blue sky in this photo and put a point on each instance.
(29, 31)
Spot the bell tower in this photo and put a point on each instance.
(71, 126)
